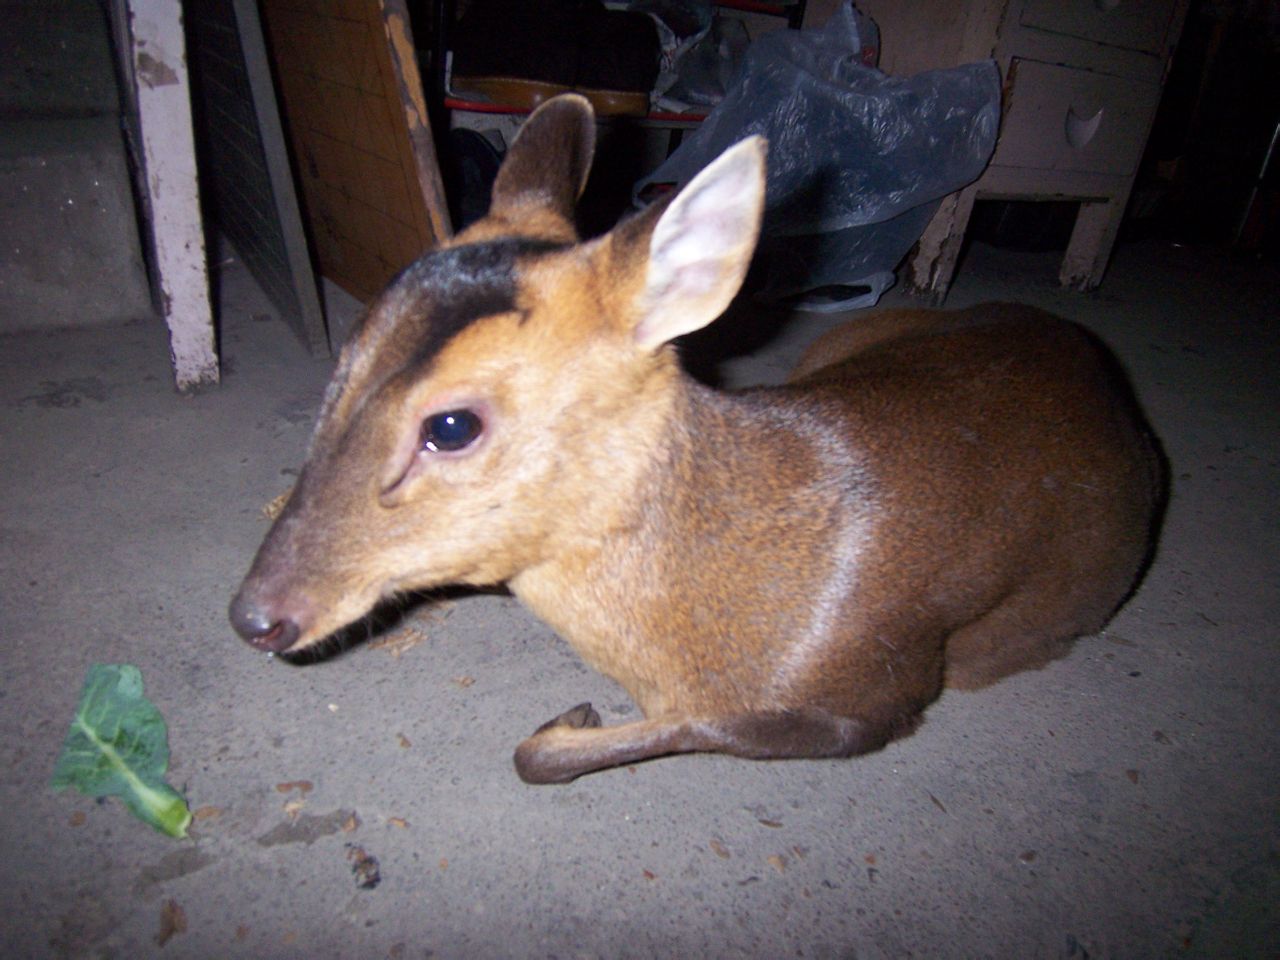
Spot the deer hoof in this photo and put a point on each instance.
(580, 717)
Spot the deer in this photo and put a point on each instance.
(932, 499)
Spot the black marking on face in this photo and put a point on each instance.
(462, 284)
(424, 307)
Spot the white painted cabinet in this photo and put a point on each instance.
(1082, 80)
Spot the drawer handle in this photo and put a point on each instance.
(1079, 130)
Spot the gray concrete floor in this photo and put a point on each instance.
(1120, 803)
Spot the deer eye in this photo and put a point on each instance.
(450, 431)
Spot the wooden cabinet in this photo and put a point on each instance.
(1128, 24)
(1082, 80)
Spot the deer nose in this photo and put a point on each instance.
(260, 628)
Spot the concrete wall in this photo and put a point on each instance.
(69, 248)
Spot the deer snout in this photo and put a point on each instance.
(261, 626)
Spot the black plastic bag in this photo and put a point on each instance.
(858, 160)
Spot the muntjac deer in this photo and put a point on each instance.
(797, 571)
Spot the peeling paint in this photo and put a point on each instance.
(173, 197)
(155, 73)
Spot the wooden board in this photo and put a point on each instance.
(162, 100)
(362, 147)
(244, 164)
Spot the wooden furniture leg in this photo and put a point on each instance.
(930, 271)
(1097, 225)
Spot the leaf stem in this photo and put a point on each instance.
(168, 812)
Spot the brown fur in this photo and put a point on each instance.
(789, 572)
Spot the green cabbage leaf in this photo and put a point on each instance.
(118, 746)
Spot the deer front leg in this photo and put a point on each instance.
(574, 743)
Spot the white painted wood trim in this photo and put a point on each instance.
(159, 66)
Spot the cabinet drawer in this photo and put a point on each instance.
(1063, 118)
(1131, 24)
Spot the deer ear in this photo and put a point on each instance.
(548, 163)
(702, 244)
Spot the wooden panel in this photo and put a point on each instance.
(1063, 118)
(362, 146)
(1131, 24)
(926, 34)
(243, 163)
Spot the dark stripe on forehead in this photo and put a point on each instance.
(427, 304)
(457, 286)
